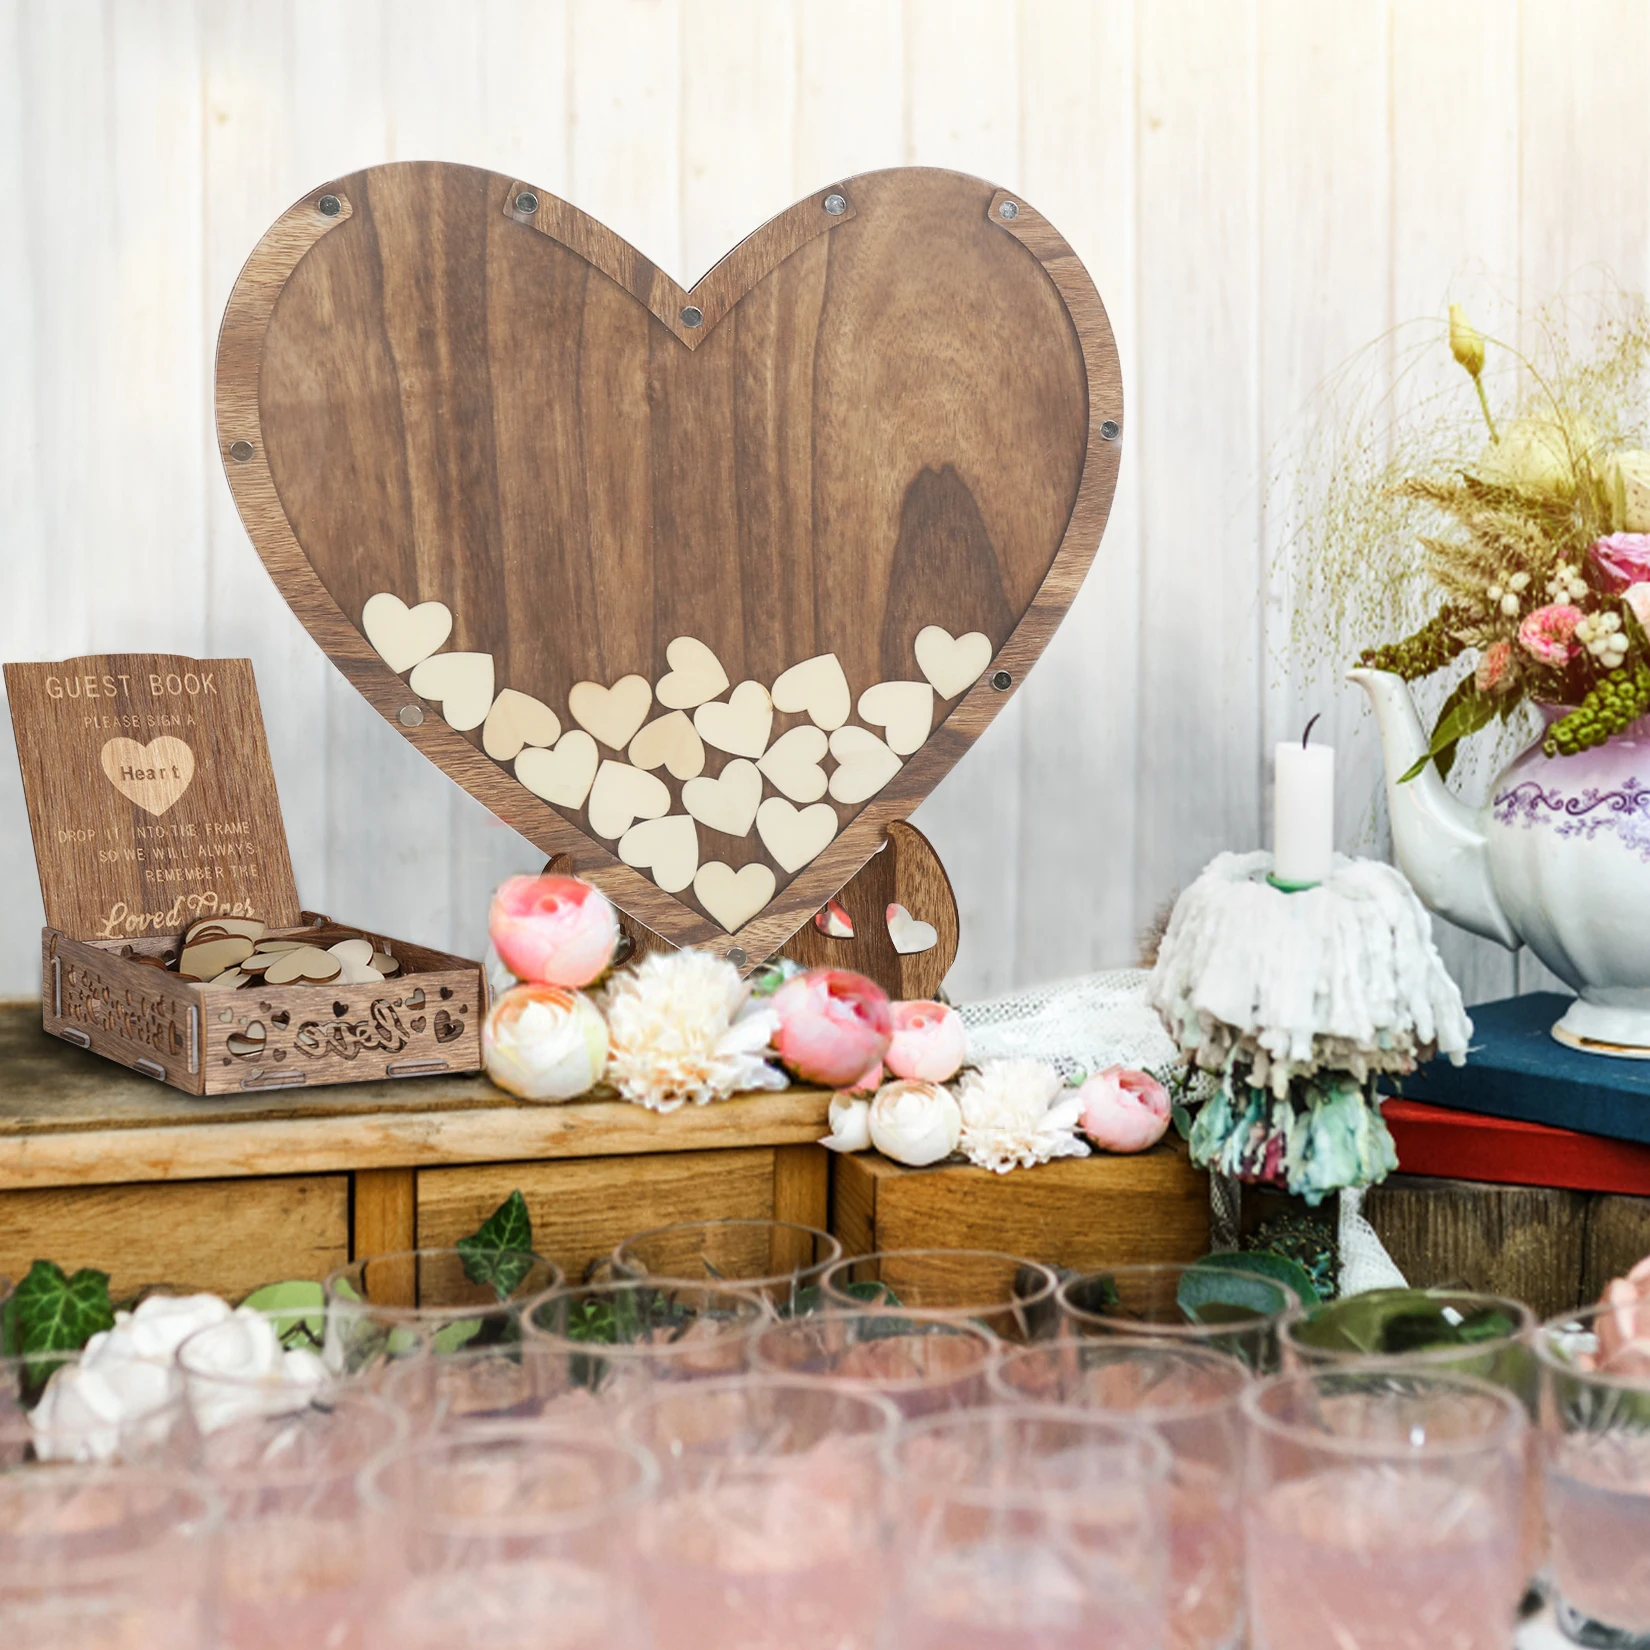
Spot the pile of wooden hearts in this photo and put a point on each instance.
(232, 953)
(628, 803)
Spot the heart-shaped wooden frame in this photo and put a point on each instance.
(1033, 311)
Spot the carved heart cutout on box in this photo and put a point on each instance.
(894, 408)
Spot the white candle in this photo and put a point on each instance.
(1303, 812)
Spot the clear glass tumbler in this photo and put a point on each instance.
(781, 1259)
(1189, 1397)
(1384, 1510)
(512, 1537)
(1007, 1294)
(1595, 1448)
(53, 1409)
(1023, 1527)
(388, 1306)
(768, 1529)
(93, 1559)
(1223, 1309)
(607, 1342)
(297, 1555)
(921, 1362)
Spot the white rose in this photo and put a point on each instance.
(850, 1124)
(1637, 597)
(81, 1413)
(914, 1123)
(238, 1368)
(544, 1042)
(162, 1323)
(1538, 455)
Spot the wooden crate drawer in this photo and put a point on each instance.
(228, 1236)
(1077, 1212)
(582, 1207)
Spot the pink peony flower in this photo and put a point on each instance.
(1622, 559)
(1637, 597)
(553, 930)
(833, 1026)
(930, 1042)
(1123, 1110)
(1546, 633)
(1624, 1330)
(1492, 668)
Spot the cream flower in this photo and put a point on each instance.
(850, 1121)
(1017, 1113)
(914, 1122)
(681, 1028)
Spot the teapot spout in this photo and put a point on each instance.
(1436, 838)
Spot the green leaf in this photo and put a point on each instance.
(500, 1250)
(51, 1312)
(1182, 1117)
(454, 1337)
(298, 1295)
(1217, 1294)
(1268, 1263)
(1464, 713)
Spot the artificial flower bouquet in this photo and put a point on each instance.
(681, 1028)
(1536, 549)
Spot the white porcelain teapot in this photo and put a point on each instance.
(1558, 859)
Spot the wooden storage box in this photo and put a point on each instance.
(152, 803)
(1074, 1212)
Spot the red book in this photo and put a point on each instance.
(1463, 1145)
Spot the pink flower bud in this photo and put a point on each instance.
(833, 1026)
(1123, 1110)
(1548, 633)
(553, 930)
(930, 1042)
(1624, 1330)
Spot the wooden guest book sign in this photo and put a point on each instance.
(704, 588)
(153, 808)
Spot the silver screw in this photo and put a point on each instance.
(1008, 210)
(738, 956)
(1002, 681)
(410, 716)
(835, 205)
(240, 451)
(527, 201)
(1110, 430)
(692, 316)
(329, 206)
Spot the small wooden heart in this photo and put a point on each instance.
(153, 776)
(477, 438)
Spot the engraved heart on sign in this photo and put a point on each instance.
(893, 410)
(153, 776)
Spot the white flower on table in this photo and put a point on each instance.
(1016, 1113)
(238, 1368)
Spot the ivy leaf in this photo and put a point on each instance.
(1267, 1263)
(1217, 1294)
(51, 1312)
(1464, 713)
(500, 1250)
(292, 1298)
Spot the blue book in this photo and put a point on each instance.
(1516, 1068)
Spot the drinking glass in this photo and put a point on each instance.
(1448, 1329)
(1223, 1309)
(767, 1530)
(518, 1382)
(1188, 1396)
(1010, 1296)
(297, 1557)
(1595, 1446)
(606, 1342)
(513, 1537)
(97, 1560)
(920, 1361)
(1384, 1510)
(386, 1305)
(52, 1409)
(779, 1258)
(1024, 1527)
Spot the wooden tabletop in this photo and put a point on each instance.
(69, 1118)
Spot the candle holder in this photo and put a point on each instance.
(1298, 998)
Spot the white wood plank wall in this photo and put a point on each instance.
(1259, 186)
